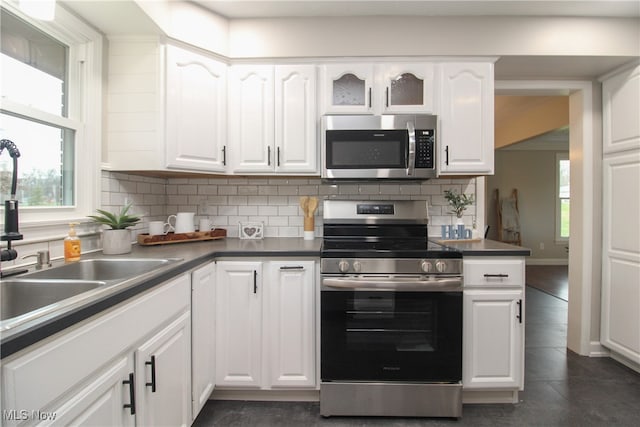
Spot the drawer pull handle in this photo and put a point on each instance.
(152, 384)
(132, 395)
(501, 275)
(292, 267)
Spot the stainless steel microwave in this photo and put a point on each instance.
(393, 147)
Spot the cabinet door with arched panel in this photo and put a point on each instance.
(406, 88)
(348, 89)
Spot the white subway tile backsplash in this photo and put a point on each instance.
(248, 210)
(227, 190)
(267, 210)
(273, 201)
(257, 200)
(228, 210)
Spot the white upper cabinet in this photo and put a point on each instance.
(295, 119)
(251, 118)
(195, 110)
(272, 119)
(406, 88)
(166, 107)
(365, 88)
(466, 119)
(347, 88)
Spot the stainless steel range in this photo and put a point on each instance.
(391, 313)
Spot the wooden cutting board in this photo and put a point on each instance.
(196, 236)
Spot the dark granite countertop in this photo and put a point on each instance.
(190, 255)
(486, 248)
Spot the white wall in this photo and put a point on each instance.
(189, 23)
(532, 173)
(450, 36)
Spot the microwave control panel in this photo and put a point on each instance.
(425, 142)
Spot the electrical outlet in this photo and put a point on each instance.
(542, 246)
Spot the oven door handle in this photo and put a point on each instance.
(429, 285)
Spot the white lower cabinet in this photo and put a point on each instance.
(100, 372)
(265, 324)
(202, 335)
(492, 349)
(493, 327)
(238, 323)
(100, 402)
(163, 376)
(290, 321)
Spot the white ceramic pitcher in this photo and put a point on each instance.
(183, 222)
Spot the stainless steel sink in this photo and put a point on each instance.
(102, 269)
(20, 296)
(33, 295)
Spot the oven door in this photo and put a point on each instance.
(377, 333)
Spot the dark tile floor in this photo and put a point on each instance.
(561, 389)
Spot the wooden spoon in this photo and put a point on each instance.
(313, 205)
(304, 204)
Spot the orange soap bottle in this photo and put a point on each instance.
(72, 247)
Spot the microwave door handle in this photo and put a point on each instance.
(411, 160)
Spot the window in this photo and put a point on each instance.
(562, 196)
(50, 94)
(34, 76)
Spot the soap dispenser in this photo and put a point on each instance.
(72, 244)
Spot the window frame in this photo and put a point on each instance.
(559, 239)
(84, 116)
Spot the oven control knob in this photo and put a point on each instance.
(426, 266)
(441, 266)
(343, 266)
(357, 266)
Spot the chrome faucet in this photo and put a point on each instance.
(11, 231)
(42, 259)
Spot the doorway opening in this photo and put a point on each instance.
(584, 258)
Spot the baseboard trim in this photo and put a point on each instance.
(468, 396)
(267, 395)
(596, 349)
(489, 396)
(626, 362)
(546, 261)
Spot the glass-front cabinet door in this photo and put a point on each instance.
(406, 88)
(378, 88)
(348, 88)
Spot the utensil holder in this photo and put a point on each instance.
(309, 224)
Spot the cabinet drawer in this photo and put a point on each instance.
(498, 272)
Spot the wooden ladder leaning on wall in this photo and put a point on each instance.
(508, 218)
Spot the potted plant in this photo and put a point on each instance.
(458, 202)
(117, 238)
